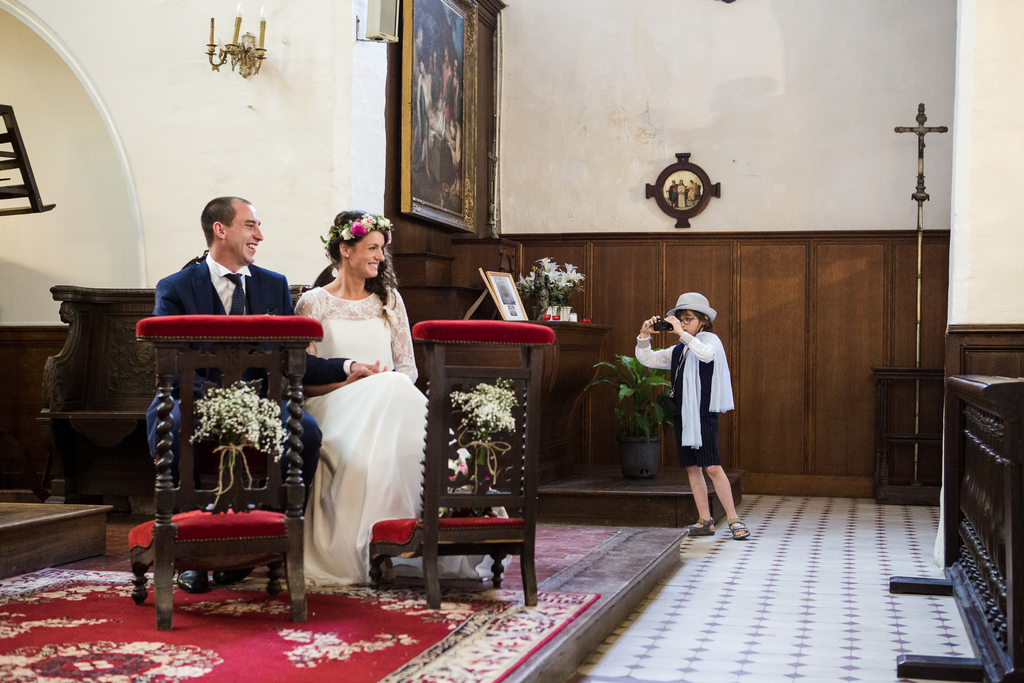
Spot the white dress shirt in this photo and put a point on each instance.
(225, 287)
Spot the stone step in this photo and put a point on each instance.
(601, 496)
(34, 536)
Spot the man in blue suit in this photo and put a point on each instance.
(227, 282)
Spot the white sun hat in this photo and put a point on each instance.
(692, 301)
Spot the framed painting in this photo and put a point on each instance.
(439, 111)
(506, 298)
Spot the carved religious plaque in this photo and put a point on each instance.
(683, 190)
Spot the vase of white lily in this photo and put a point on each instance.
(550, 286)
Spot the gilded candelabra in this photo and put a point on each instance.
(243, 53)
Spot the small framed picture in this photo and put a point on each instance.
(503, 290)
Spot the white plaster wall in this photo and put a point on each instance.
(283, 139)
(987, 250)
(76, 168)
(790, 104)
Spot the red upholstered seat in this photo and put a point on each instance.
(198, 525)
(197, 328)
(400, 531)
(483, 332)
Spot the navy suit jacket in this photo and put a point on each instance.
(190, 292)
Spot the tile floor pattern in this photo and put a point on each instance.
(804, 600)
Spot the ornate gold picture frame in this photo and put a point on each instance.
(439, 111)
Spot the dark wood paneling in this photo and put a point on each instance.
(996, 350)
(23, 354)
(635, 266)
(562, 253)
(803, 317)
(772, 357)
(848, 298)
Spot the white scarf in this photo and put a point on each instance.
(721, 390)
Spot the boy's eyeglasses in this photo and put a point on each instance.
(687, 320)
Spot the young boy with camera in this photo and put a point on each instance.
(702, 388)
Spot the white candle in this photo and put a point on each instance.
(263, 24)
(238, 24)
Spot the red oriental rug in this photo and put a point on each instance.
(67, 625)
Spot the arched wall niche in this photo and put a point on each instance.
(94, 236)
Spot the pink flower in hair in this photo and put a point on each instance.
(358, 230)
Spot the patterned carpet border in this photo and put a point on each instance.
(481, 636)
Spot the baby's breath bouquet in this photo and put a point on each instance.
(487, 411)
(237, 418)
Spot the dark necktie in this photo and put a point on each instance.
(238, 296)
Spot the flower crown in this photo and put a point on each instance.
(359, 227)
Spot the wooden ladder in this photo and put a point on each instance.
(17, 158)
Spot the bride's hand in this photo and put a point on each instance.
(360, 370)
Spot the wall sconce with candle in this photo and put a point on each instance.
(243, 53)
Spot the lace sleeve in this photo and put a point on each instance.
(401, 339)
(306, 306)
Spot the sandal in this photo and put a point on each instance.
(703, 527)
(739, 531)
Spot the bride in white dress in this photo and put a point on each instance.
(374, 423)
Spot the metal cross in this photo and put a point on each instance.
(921, 130)
(920, 196)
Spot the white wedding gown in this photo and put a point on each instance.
(373, 431)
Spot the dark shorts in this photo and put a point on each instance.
(707, 454)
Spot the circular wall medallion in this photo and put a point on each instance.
(683, 190)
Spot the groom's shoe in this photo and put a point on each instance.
(231, 576)
(193, 582)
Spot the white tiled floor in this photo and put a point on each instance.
(805, 599)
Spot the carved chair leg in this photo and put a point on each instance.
(375, 570)
(497, 567)
(296, 586)
(528, 567)
(276, 571)
(140, 593)
(431, 577)
(163, 589)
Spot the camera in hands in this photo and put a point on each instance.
(661, 325)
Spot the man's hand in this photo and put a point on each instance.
(358, 371)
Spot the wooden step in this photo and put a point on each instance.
(600, 495)
(35, 535)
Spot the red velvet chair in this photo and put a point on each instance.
(194, 529)
(432, 535)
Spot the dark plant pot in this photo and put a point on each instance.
(639, 456)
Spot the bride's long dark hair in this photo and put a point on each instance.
(385, 279)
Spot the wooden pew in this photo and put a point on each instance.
(983, 529)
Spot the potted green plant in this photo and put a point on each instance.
(640, 413)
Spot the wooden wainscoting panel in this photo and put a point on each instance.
(808, 485)
(23, 354)
(562, 252)
(628, 279)
(773, 357)
(848, 298)
(803, 317)
(996, 350)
